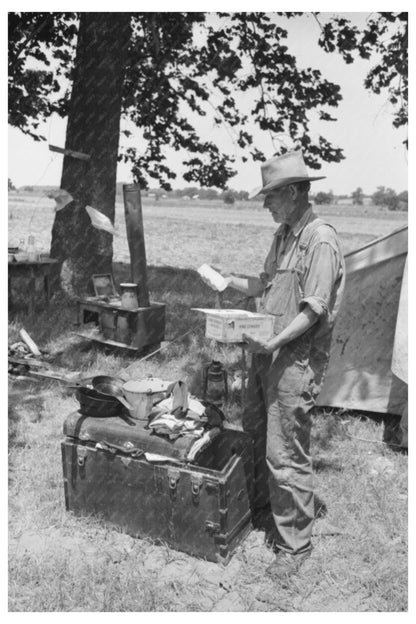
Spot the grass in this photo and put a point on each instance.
(60, 563)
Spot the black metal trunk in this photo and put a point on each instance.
(201, 508)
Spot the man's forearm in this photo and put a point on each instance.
(251, 286)
(300, 324)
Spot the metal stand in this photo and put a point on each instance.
(244, 375)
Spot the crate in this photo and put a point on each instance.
(229, 325)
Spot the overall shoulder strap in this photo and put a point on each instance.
(309, 230)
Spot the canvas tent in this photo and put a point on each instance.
(368, 364)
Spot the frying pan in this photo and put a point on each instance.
(110, 386)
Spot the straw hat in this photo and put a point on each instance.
(283, 170)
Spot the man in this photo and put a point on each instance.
(301, 287)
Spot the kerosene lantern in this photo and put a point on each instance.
(215, 384)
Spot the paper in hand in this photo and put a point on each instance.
(211, 277)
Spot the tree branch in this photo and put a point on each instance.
(315, 15)
(32, 34)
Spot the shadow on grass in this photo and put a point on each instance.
(180, 290)
(53, 327)
(327, 464)
(327, 429)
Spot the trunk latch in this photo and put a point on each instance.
(82, 452)
(173, 478)
(196, 484)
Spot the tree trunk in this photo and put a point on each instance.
(93, 128)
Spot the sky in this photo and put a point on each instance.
(373, 149)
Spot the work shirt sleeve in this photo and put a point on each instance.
(322, 270)
(255, 286)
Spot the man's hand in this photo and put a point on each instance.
(257, 346)
(213, 278)
(301, 323)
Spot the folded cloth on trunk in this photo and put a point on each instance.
(194, 411)
(171, 424)
(155, 457)
(204, 441)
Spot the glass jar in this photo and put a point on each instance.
(32, 255)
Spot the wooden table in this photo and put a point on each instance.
(31, 271)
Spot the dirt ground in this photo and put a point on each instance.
(207, 586)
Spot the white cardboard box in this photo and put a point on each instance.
(229, 325)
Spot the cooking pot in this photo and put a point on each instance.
(94, 403)
(143, 394)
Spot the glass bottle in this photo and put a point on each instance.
(31, 249)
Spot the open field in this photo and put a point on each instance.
(60, 563)
(184, 234)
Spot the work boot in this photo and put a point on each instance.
(286, 564)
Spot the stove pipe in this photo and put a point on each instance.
(135, 239)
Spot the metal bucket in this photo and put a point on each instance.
(142, 394)
(129, 298)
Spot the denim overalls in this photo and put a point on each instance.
(282, 389)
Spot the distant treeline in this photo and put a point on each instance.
(192, 192)
(382, 197)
